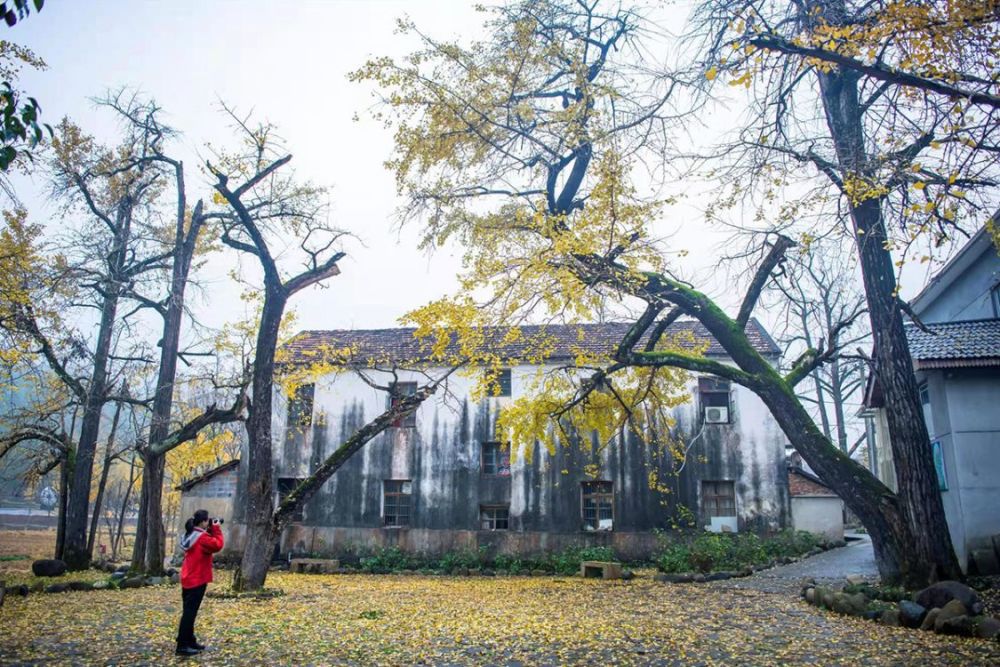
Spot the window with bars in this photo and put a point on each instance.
(400, 391)
(718, 498)
(494, 517)
(396, 502)
(300, 407)
(598, 505)
(495, 459)
(285, 486)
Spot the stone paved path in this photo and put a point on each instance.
(832, 566)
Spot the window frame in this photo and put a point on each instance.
(490, 522)
(602, 494)
(498, 455)
(402, 492)
(714, 499)
(505, 385)
(995, 298)
(711, 389)
(396, 393)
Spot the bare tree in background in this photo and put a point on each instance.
(818, 290)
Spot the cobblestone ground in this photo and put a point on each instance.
(437, 620)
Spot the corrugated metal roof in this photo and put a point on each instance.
(564, 341)
(969, 341)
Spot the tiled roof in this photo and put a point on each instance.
(973, 342)
(565, 341)
(204, 477)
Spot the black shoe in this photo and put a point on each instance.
(187, 650)
(196, 645)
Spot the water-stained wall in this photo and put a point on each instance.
(440, 456)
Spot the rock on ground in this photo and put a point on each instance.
(943, 592)
(48, 567)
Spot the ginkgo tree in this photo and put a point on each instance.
(521, 148)
(892, 108)
(280, 221)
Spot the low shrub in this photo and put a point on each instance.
(568, 560)
(707, 552)
(386, 559)
(468, 559)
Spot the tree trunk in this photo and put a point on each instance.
(837, 394)
(105, 470)
(917, 483)
(77, 513)
(257, 552)
(64, 476)
(150, 558)
(123, 510)
(873, 503)
(139, 547)
(260, 535)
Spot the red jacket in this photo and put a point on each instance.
(198, 549)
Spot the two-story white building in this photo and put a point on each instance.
(441, 480)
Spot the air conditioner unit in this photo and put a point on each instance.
(716, 415)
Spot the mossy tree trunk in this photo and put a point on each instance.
(911, 446)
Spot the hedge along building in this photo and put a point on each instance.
(440, 480)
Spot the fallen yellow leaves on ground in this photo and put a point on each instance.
(404, 620)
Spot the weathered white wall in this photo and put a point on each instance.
(441, 457)
(822, 515)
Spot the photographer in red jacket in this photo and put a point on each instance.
(202, 538)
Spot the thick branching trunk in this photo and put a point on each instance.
(148, 550)
(259, 508)
(150, 557)
(308, 487)
(105, 471)
(75, 551)
(917, 484)
(873, 502)
(65, 473)
(881, 511)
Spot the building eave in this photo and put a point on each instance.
(187, 485)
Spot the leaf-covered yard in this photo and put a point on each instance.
(393, 619)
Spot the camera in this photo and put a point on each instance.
(218, 520)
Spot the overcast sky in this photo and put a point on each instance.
(288, 62)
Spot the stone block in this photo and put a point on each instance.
(596, 569)
(314, 565)
(930, 619)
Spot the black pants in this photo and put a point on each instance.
(192, 598)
